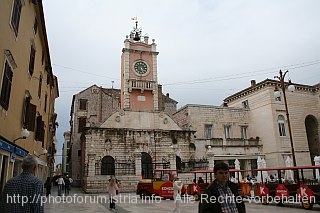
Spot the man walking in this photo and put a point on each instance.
(222, 195)
(23, 193)
(177, 186)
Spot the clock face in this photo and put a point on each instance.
(140, 67)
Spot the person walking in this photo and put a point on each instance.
(177, 186)
(61, 183)
(112, 189)
(25, 185)
(47, 186)
(222, 195)
(67, 185)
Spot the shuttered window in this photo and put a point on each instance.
(31, 60)
(29, 115)
(15, 16)
(6, 86)
(39, 86)
(40, 129)
(35, 25)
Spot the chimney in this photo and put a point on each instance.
(146, 38)
(167, 95)
(253, 83)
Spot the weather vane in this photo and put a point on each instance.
(136, 31)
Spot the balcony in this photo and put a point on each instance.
(141, 84)
(233, 142)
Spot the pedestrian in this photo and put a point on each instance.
(61, 183)
(67, 185)
(112, 189)
(200, 181)
(47, 186)
(117, 182)
(25, 185)
(222, 195)
(177, 186)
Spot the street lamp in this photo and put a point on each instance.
(277, 94)
(24, 134)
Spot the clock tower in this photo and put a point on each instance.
(139, 86)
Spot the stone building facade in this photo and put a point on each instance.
(267, 117)
(224, 131)
(90, 108)
(140, 135)
(65, 150)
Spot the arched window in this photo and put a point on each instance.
(107, 166)
(146, 165)
(281, 126)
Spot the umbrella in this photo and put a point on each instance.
(288, 174)
(264, 173)
(317, 163)
(238, 175)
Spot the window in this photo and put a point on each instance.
(32, 59)
(6, 86)
(281, 126)
(245, 104)
(107, 165)
(42, 59)
(48, 78)
(83, 104)
(15, 16)
(244, 132)
(45, 103)
(208, 131)
(39, 136)
(82, 123)
(39, 86)
(35, 25)
(29, 115)
(227, 131)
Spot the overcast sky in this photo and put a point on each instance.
(208, 49)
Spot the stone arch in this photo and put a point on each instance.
(312, 130)
(108, 165)
(146, 165)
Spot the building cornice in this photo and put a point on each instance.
(267, 83)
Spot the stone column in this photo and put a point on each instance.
(172, 160)
(137, 160)
(210, 157)
(91, 165)
(317, 163)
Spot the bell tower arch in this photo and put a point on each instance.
(139, 86)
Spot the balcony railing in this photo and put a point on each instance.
(141, 84)
(233, 142)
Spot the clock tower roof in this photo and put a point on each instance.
(136, 34)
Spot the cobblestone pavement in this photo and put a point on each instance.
(80, 202)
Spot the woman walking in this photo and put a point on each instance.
(47, 186)
(113, 187)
